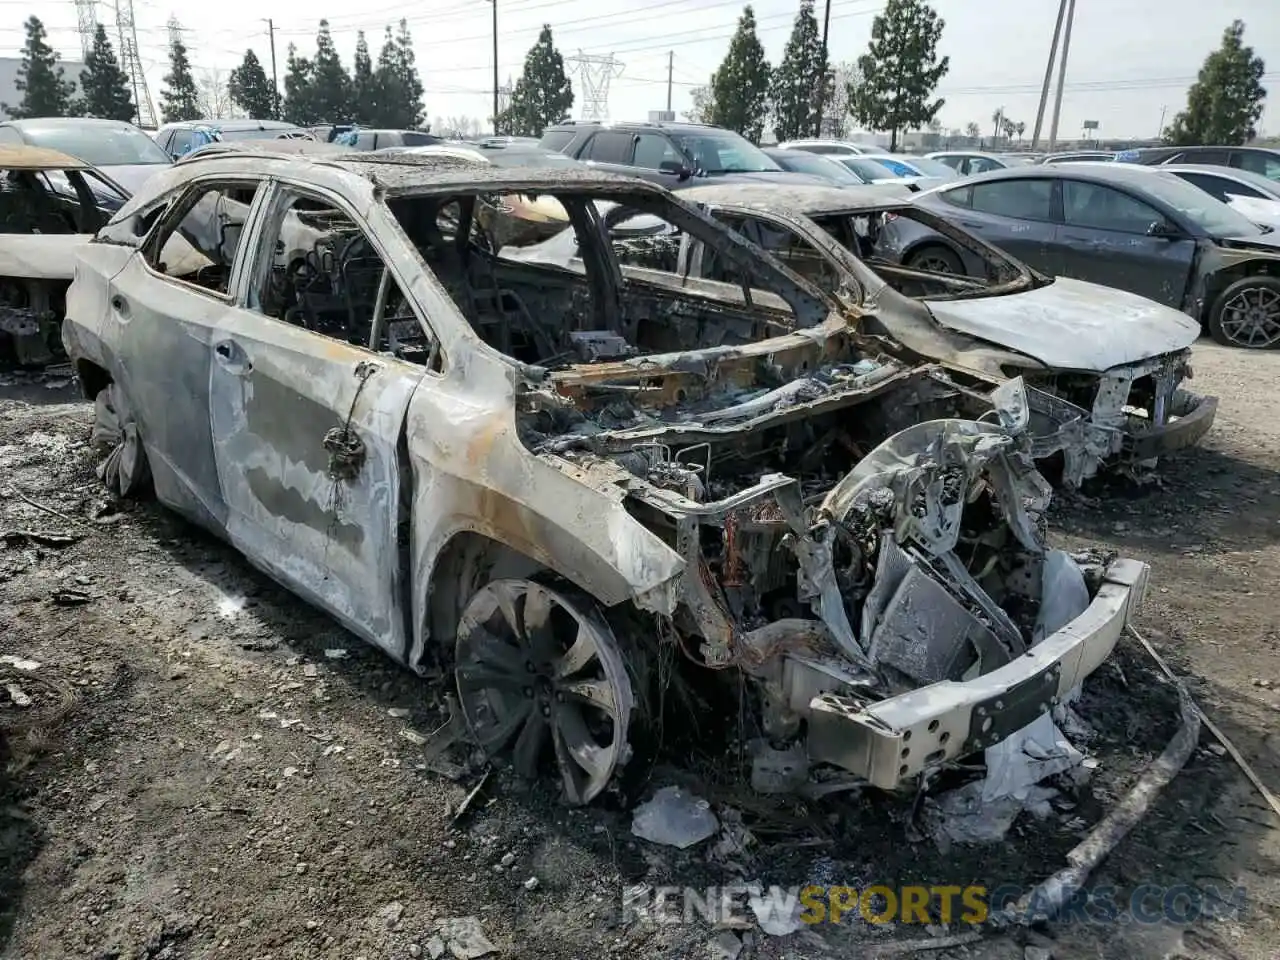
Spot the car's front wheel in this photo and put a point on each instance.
(124, 467)
(541, 674)
(1247, 314)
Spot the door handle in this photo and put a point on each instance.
(223, 349)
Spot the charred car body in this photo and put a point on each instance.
(49, 207)
(1105, 367)
(539, 476)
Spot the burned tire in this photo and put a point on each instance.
(124, 468)
(540, 674)
(934, 258)
(1247, 314)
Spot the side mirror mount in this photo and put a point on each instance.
(675, 168)
(1163, 230)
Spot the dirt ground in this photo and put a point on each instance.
(220, 771)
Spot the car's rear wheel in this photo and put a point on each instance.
(934, 258)
(124, 468)
(540, 672)
(1247, 314)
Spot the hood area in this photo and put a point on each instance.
(1072, 325)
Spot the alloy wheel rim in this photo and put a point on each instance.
(536, 667)
(1251, 318)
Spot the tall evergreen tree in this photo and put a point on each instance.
(330, 83)
(179, 98)
(298, 107)
(387, 89)
(543, 94)
(104, 86)
(900, 70)
(364, 98)
(798, 86)
(410, 106)
(1225, 103)
(44, 92)
(740, 87)
(250, 88)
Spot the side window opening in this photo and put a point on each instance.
(197, 243)
(1101, 208)
(30, 204)
(325, 275)
(793, 250)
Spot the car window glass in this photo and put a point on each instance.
(610, 147)
(198, 239)
(1220, 188)
(1016, 199)
(555, 139)
(1102, 208)
(959, 197)
(820, 148)
(652, 150)
(325, 275)
(181, 142)
(1212, 158)
(1257, 162)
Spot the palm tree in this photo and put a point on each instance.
(1020, 128)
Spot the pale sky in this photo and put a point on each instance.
(1130, 60)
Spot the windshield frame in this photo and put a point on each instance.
(72, 138)
(725, 140)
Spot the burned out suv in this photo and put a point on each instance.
(674, 155)
(552, 481)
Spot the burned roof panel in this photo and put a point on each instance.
(37, 158)
(800, 198)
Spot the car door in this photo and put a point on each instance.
(308, 418)
(1105, 239)
(163, 310)
(1015, 215)
(613, 150)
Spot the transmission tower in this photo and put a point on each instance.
(131, 64)
(86, 24)
(596, 72)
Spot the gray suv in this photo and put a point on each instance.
(673, 155)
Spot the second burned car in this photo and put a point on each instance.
(1109, 365)
(544, 478)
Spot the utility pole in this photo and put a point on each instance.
(1062, 75)
(1160, 129)
(275, 83)
(671, 59)
(822, 101)
(1048, 75)
(495, 66)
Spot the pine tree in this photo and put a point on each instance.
(330, 83)
(1225, 103)
(543, 94)
(410, 110)
(298, 107)
(44, 92)
(740, 88)
(900, 70)
(179, 98)
(251, 90)
(364, 98)
(387, 89)
(799, 84)
(104, 86)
